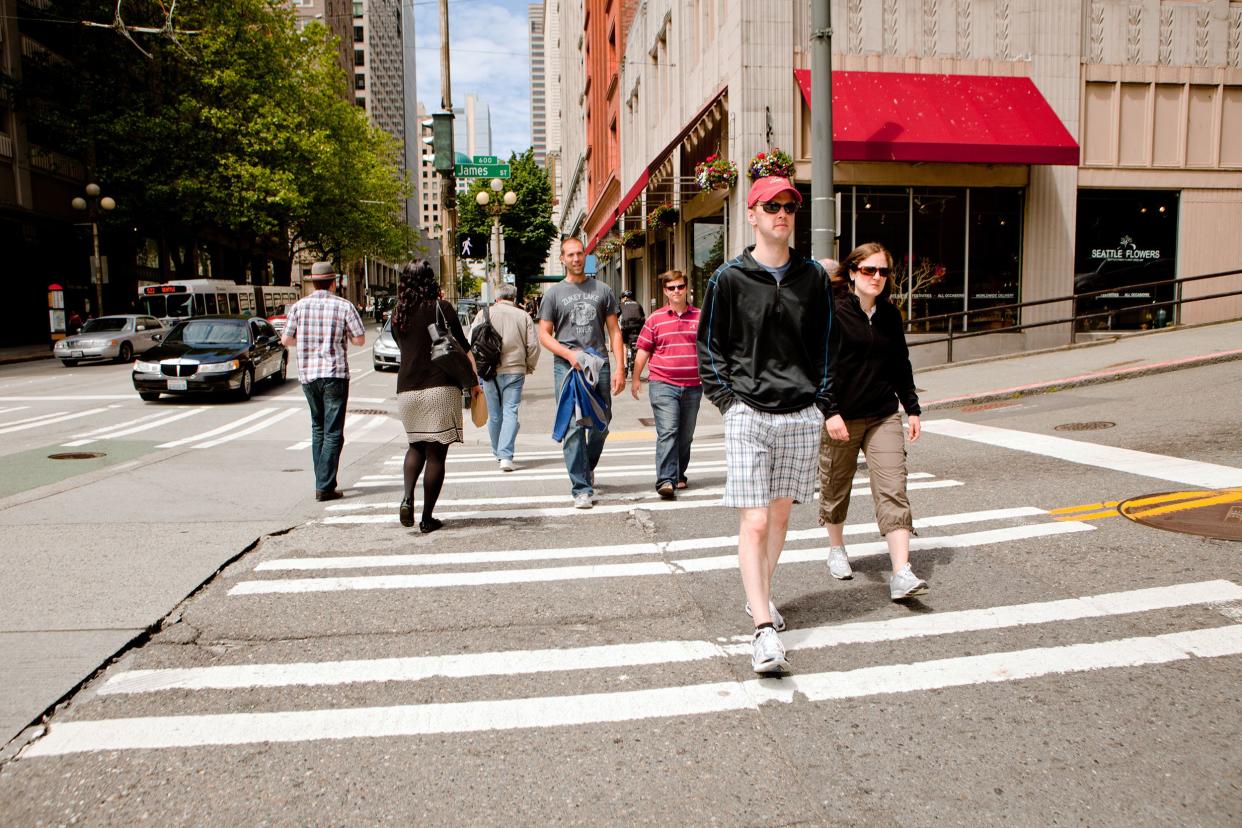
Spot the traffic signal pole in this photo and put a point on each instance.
(823, 204)
(448, 184)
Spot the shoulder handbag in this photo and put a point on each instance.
(447, 353)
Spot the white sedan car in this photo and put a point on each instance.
(110, 337)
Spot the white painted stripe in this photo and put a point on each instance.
(46, 421)
(524, 662)
(233, 435)
(567, 511)
(550, 473)
(374, 422)
(557, 455)
(350, 419)
(1158, 466)
(13, 408)
(153, 732)
(631, 570)
(262, 412)
(33, 418)
(68, 397)
(613, 551)
(539, 471)
(111, 433)
(145, 418)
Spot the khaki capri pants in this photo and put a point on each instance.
(884, 445)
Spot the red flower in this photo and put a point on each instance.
(761, 156)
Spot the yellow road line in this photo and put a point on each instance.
(1093, 516)
(1087, 508)
(1231, 497)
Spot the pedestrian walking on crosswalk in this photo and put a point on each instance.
(763, 361)
(519, 355)
(871, 372)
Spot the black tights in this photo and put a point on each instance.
(430, 455)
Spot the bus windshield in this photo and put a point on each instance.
(166, 307)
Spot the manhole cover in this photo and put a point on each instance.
(1094, 425)
(647, 421)
(379, 411)
(1208, 513)
(77, 455)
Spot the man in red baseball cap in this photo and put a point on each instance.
(764, 362)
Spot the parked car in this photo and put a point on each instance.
(110, 337)
(212, 354)
(467, 309)
(386, 352)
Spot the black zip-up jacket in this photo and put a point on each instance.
(870, 362)
(763, 342)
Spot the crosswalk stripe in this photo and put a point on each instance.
(615, 550)
(524, 662)
(557, 455)
(153, 732)
(33, 418)
(234, 435)
(350, 421)
(13, 408)
(51, 420)
(375, 421)
(629, 570)
(262, 412)
(134, 427)
(558, 470)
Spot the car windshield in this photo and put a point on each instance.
(210, 332)
(105, 325)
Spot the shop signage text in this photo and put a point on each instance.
(1126, 250)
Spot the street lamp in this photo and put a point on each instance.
(483, 199)
(94, 205)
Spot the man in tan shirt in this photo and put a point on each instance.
(518, 357)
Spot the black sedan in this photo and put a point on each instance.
(221, 354)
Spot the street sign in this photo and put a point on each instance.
(485, 159)
(476, 170)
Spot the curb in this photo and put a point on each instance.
(1083, 380)
(12, 360)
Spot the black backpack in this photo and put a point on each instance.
(486, 344)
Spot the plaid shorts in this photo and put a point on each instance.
(770, 456)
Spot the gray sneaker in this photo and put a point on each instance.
(905, 584)
(769, 653)
(839, 563)
(778, 620)
(583, 501)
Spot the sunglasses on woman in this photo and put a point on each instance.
(773, 207)
(868, 270)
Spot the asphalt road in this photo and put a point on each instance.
(533, 663)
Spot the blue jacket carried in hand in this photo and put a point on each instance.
(579, 403)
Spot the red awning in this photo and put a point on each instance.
(985, 119)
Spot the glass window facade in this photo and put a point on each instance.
(706, 238)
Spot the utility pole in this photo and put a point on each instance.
(448, 183)
(823, 204)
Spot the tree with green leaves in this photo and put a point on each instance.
(527, 225)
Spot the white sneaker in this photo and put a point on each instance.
(905, 584)
(769, 653)
(839, 563)
(778, 620)
(506, 465)
(582, 501)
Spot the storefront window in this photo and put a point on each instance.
(933, 278)
(1125, 238)
(707, 239)
(995, 256)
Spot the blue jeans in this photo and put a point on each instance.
(676, 410)
(504, 395)
(583, 446)
(327, 399)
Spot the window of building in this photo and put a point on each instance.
(360, 101)
(360, 81)
(358, 34)
(358, 4)
(360, 57)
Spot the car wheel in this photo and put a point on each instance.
(247, 385)
(148, 396)
(70, 363)
(280, 376)
(126, 354)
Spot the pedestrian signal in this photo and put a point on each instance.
(472, 245)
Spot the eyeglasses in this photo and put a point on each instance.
(682, 286)
(868, 270)
(773, 207)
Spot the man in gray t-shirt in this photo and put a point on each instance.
(574, 315)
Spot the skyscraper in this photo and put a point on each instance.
(538, 84)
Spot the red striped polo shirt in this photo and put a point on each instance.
(671, 341)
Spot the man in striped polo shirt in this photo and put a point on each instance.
(668, 339)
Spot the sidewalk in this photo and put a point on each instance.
(25, 353)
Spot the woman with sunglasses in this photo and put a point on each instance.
(871, 373)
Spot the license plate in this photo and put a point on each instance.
(176, 385)
(76, 354)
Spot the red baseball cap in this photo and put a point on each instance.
(769, 187)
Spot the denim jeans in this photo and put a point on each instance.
(327, 398)
(503, 395)
(676, 410)
(583, 446)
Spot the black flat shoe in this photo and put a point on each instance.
(407, 513)
(429, 525)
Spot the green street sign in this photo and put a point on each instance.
(475, 170)
(485, 159)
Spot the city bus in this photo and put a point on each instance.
(171, 302)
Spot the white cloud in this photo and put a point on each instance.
(489, 54)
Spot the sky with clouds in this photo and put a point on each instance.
(489, 57)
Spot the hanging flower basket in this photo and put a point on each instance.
(666, 215)
(715, 173)
(634, 239)
(773, 162)
(607, 249)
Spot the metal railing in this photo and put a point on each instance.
(950, 337)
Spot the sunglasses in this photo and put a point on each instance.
(773, 207)
(682, 286)
(868, 270)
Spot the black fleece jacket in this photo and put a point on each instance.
(763, 342)
(870, 362)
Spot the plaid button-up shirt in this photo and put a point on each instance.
(322, 323)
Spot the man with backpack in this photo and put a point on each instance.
(631, 319)
(506, 348)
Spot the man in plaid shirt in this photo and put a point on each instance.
(321, 326)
